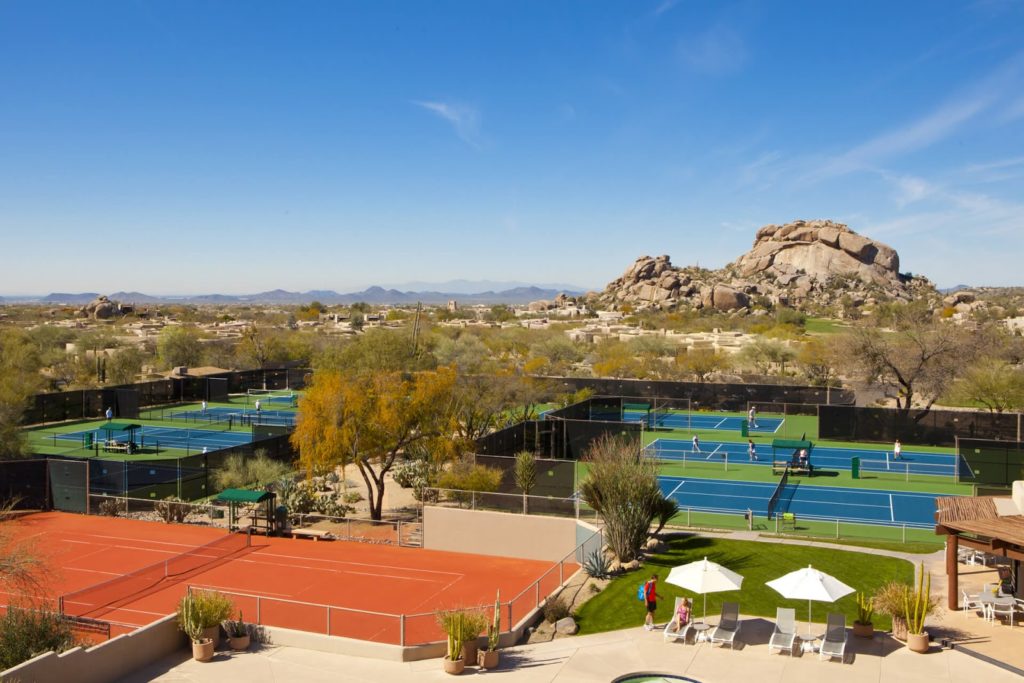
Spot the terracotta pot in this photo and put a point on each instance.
(899, 628)
(469, 650)
(454, 667)
(863, 630)
(213, 633)
(918, 642)
(488, 659)
(239, 643)
(203, 650)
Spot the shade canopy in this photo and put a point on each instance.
(810, 584)
(703, 577)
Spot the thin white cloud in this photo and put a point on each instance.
(665, 6)
(464, 119)
(995, 165)
(718, 51)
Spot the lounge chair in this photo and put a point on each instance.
(784, 635)
(834, 644)
(670, 633)
(728, 625)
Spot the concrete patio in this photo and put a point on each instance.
(599, 657)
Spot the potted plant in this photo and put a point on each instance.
(473, 624)
(488, 659)
(213, 608)
(917, 605)
(190, 620)
(888, 600)
(238, 633)
(863, 627)
(452, 622)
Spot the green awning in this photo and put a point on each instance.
(243, 496)
(792, 443)
(120, 427)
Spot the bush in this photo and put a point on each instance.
(212, 607)
(112, 507)
(597, 565)
(412, 474)
(556, 608)
(466, 476)
(173, 510)
(239, 471)
(27, 633)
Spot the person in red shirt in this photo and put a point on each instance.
(651, 598)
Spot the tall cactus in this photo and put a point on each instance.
(918, 603)
(455, 626)
(494, 630)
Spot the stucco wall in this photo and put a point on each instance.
(498, 533)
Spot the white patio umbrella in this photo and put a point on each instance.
(810, 584)
(704, 577)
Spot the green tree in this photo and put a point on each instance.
(525, 473)
(179, 345)
(701, 363)
(260, 347)
(818, 361)
(378, 350)
(622, 486)
(993, 383)
(125, 365)
(19, 380)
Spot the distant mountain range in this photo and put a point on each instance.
(372, 295)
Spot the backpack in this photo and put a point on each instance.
(640, 593)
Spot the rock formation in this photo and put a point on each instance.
(803, 264)
(100, 308)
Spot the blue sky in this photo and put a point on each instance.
(184, 147)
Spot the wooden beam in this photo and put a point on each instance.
(952, 573)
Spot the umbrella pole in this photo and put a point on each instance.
(808, 618)
(705, 608)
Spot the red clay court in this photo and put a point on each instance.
(350, 589)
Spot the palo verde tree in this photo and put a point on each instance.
(19, 379)
(525, 473)
(622, 486)
(368, 419)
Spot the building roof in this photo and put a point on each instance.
(120, 427)
(980, 516)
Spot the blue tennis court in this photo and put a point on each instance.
(702, 421)
(806, 501)
(871, 461)
(236, 415)
(169, 437)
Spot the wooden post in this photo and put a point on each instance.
(952, 572)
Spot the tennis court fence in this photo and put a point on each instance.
(403, 629)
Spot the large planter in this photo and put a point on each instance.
(899, 628)
(918, 642)
(469, 650)
(239, 643)
(488, 659)
(203, 650)
(213, 633)
(454, 666)
(863, 630)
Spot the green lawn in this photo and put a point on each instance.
(823, 326)
(617, 606)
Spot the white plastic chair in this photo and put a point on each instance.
(784, 634)
(1003, 611)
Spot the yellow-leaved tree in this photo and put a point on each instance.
(368, 419)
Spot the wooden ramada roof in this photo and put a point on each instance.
(978, 516)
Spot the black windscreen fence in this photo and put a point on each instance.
(127, 403)
(69, 484)
(23, 484)
(556, 478)
(937, 427)
(734, 396)
(992, 463)
(216, 389)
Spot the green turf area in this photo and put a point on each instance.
(823, 326)
(617, 606)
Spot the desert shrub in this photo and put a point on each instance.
(239, 471)
(173, 510)
(27, 633)
(556, 608)
(111, 507)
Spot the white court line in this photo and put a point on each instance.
(678, 486)
(781, 422)
(892, 513)
(713, 452)
(357, 564)
(341, 570)
(720, 423)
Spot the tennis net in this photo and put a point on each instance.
(102, 595)
(774, 500)
(658, 415)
